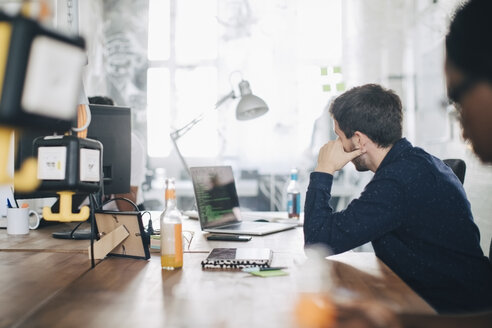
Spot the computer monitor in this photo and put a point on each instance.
(111, 125)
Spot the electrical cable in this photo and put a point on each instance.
(150, 228)
(120, 198)
(76, 227)
(92, 203)
(87, 122)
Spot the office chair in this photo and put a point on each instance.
(458, 166)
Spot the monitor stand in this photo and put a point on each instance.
(75, 233)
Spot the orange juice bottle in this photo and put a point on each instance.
(171, 231)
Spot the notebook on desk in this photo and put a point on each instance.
(237, 258)
(218, 204)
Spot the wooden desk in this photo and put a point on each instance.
(57, 288)
(40, 240)
(29, 279)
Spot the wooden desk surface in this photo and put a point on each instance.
(29, 279)
(55, 287)
(41, 240)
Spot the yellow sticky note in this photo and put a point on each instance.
(324, 71)
(326, 88)
(337, 69)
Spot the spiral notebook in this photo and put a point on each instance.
(238, 258)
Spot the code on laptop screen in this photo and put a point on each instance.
(216, 195)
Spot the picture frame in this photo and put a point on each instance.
(126, 235)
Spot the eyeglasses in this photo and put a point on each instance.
(456, 93)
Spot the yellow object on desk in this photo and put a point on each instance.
(65, 214)
(25, 179)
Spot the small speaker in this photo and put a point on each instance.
(69, 163)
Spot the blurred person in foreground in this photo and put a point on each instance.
(469, 73)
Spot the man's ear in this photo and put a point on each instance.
(360, 140)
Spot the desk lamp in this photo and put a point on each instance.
(249, 107)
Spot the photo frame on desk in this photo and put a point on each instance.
(120, 234)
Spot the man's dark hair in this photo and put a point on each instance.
(101, 100)
(468, 42)
(372, 110)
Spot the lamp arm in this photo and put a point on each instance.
(183, 161)
(182, 131)
(223, 99)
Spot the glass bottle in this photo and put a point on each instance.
(293, 196)
(314, 306)
(171, 231)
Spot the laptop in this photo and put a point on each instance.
(218, 204)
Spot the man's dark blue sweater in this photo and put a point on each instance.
(416, 214)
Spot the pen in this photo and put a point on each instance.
(256, 269)
(8, 203)
(15, 199)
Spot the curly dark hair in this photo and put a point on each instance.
(372, 110)
(469, 42)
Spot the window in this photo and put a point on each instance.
(182, 76)
(281, 47)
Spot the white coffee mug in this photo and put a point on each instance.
(20, 220)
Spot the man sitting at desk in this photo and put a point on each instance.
(414, 210)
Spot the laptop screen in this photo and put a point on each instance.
(216, 195)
